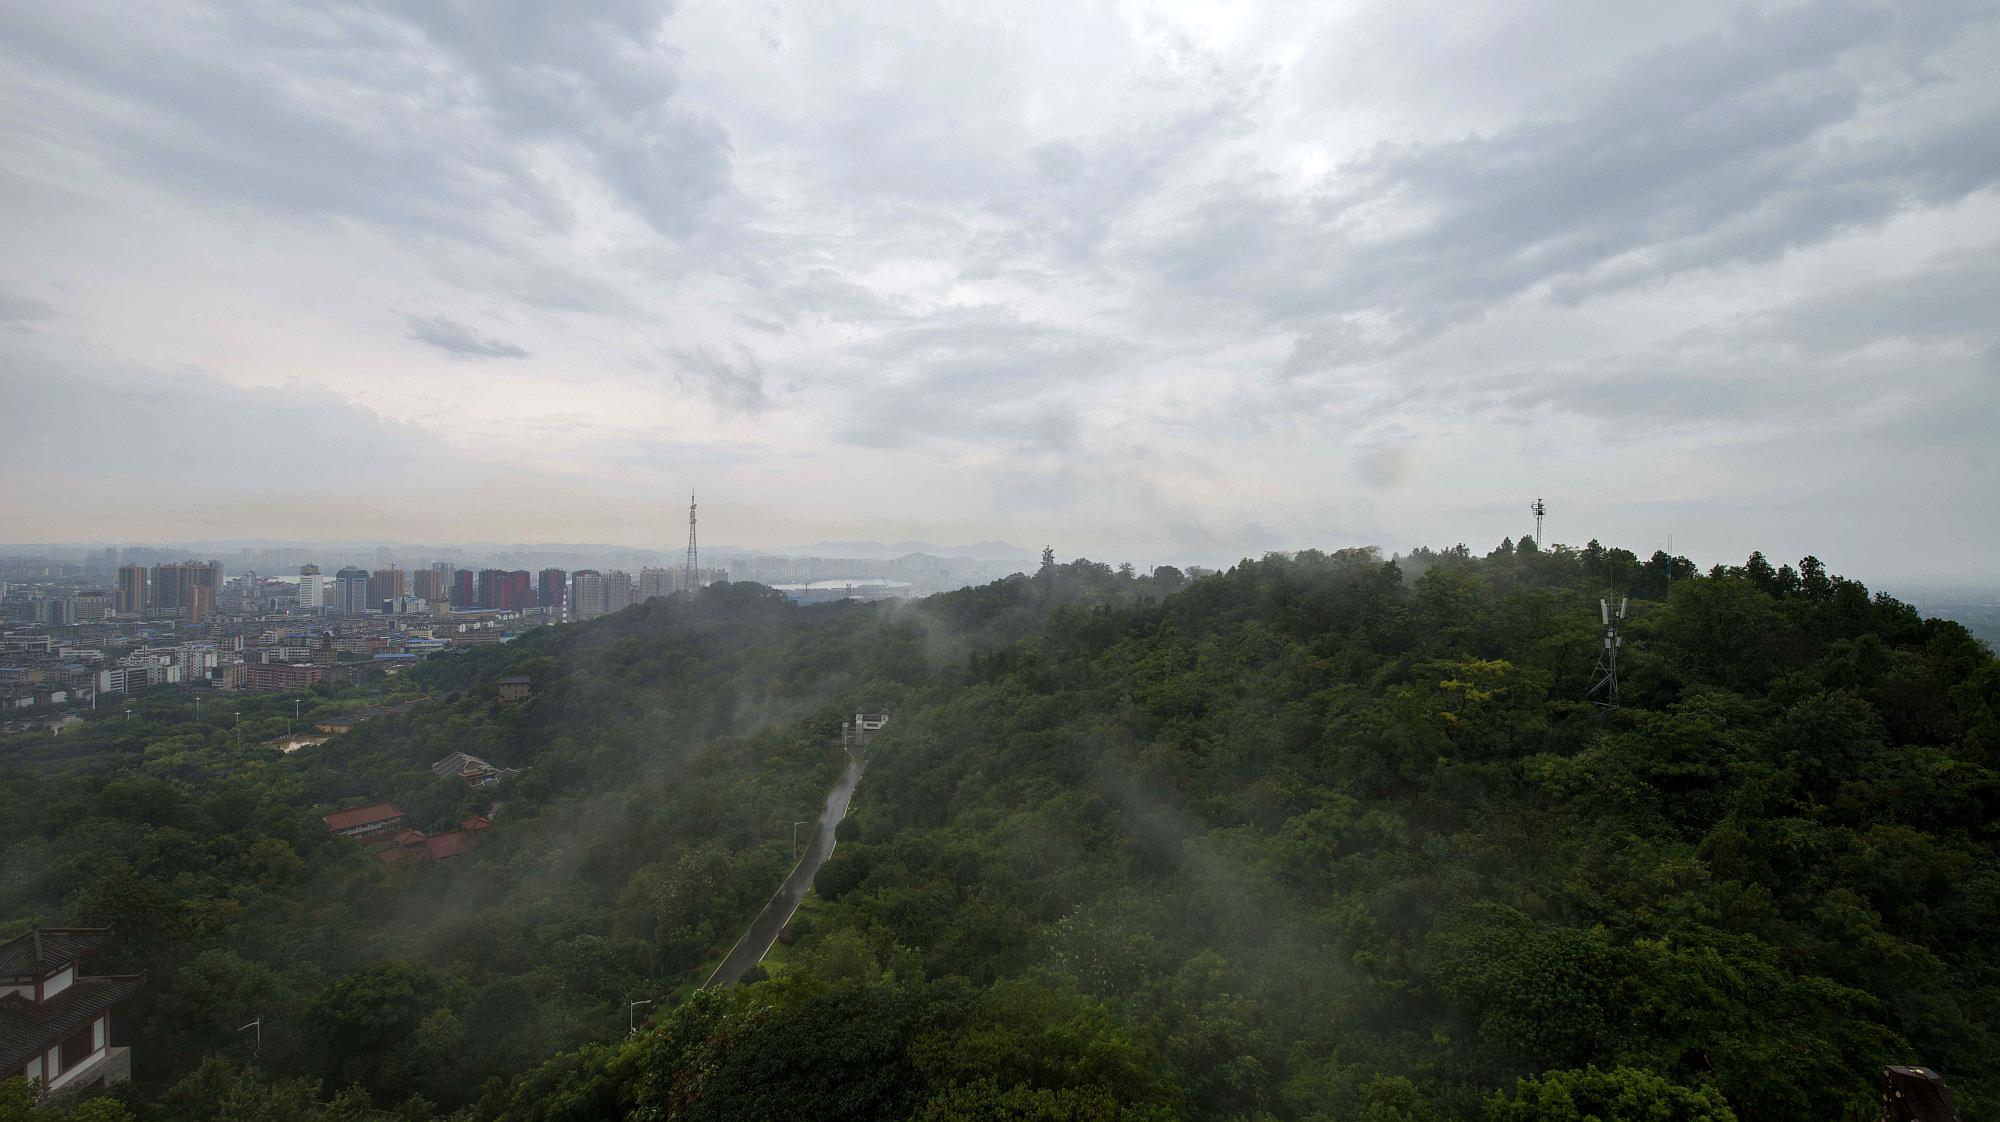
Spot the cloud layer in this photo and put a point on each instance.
(1152, 280)
(454, 338)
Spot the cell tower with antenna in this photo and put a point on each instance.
(1540, 508)
(693, 578)
(1607, 660)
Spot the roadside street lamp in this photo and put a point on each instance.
(257, 1024)
(632, 1015)
(795, 835)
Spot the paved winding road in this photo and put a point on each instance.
(756, 942)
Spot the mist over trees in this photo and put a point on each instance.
(1326, 836)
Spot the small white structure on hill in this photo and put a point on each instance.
(862, 729)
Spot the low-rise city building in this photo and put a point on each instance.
(267, 676)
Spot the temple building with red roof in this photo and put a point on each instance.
(56, 1023)
(363, 820)
(417, 845)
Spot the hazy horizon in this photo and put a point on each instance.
(996, 553)
(1139, 281)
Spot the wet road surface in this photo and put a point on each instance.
(763, 931)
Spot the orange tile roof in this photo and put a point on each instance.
(361, 816)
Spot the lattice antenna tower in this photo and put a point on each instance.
(1540, 508)
(1607, 659)
(693, 578)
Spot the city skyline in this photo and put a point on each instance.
(1150, 282)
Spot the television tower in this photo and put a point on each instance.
(694, 560)
(1540, 508)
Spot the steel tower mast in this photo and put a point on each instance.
(1540, 508)
(1607, 661)
(694, 559)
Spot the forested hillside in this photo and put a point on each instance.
(664, 755)
(1321, 837)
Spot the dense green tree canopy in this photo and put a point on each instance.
(1326, 836)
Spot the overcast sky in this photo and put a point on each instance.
(1164, 282)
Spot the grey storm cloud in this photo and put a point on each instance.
(733, 380)
(1736, 146)
(975, 374)
(458, 340)
(347, 112)
(1914, 341)
(1949, 298)
(17, 308)
(133, 421)
(592, 75)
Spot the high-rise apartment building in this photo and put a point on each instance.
(489, 587)
(432, 584)
(312, 589)
(132, 586)
(586, 594)
(350, 591)
(204, 585)
(463, 592)
(186, 589)
(385, 584)
(435, 583)
(169, 589)
(504, 589)
(551, 590)
(658, 582)
(617, 590)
